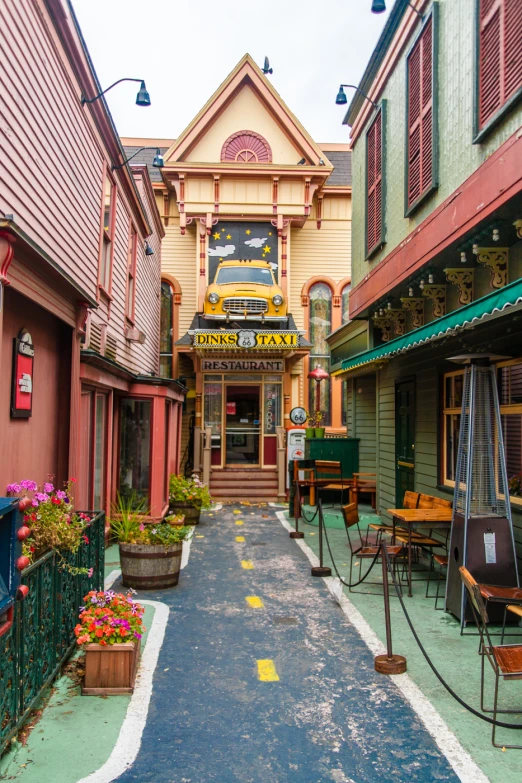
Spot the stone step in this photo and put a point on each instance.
(243, 485)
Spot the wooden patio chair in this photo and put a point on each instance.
(410, 501)
(329, 477)
(505, 659)
(358, 547)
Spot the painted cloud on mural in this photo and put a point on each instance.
(256, 242)
(221, 251)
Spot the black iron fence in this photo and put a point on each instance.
(42, 633)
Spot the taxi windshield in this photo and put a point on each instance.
(244, 274)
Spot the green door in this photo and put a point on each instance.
(404, 439)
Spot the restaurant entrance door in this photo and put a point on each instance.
(243, 424)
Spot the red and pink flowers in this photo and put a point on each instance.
(109, 618)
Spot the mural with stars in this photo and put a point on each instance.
(230, 241)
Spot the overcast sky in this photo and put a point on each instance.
(184, 50)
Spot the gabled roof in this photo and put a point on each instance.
(248, 73)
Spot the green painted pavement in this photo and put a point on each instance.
(455, 656)
(76, 733)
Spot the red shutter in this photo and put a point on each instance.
(500, 55)
(420, 115)
(513, 46)
(374, 169)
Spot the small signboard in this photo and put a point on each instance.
(22, 379)
(253, 339)
(243, 365)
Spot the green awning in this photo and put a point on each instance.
(465, 317)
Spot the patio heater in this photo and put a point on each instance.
(482, 537)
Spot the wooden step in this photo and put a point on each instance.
(244, 483)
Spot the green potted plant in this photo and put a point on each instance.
(310, 430)
(314, 430)
(109, 631)
(188, 496)
(150, 553)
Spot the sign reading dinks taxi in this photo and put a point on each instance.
(252, 339)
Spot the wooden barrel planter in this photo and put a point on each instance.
(110, 669)
(190, 512)
(149, 566)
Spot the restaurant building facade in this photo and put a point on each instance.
(80, 279)
(437, 241)
(246, 183)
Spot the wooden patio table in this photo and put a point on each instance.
(411, 518)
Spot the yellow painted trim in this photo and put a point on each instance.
(254, 601)
(266, 671)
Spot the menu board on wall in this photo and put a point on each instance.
(230, 241)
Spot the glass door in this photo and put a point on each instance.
(243, 424)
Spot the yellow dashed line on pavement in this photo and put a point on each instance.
(240, 539)
(254, 601)
(239, 522)
(266, 671)
(247, 565)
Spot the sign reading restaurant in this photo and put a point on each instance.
(245, 365)
(254, 339)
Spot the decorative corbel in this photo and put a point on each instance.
(397, 317)
(305, 300)
(284, 253)
(496, 258)
(518, 228)
(415, 305)
(385, 324)
(307, 195)
(463, 279)
(82, 313)
(280, 224)
(181, 196)
(437, 294)
(216, 192)
(184, 221)
(336, 301)
(209, 221)
(166, 207)
(319, 208)
(7, 241)
(275, 194)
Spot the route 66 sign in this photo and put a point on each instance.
(298, 416)
(246, 338)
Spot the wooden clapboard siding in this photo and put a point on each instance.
(363, 425)
(314, 252)
(179, 254)
(50, 167)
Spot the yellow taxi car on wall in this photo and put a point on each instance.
(245, 291)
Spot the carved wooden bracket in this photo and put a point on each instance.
(209, 221)
(305, 300)
(496, 258)
(415, 305)
(275, 194)
(7, 241)
(463, 279)
(398, 319)
(184, 221)
(82, 313)
(385, 324)
(437, 294)
(280, 224)
(216, 193)
(307, 200)
(518, 227)
(166, 207)
(319, 208)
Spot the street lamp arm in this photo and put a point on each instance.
(91, 100)
(115, 168)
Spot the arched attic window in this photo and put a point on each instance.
(246, 147)
(319, 328)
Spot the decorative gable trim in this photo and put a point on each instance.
(246, 147)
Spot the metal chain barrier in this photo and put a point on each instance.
(437, 674)
(346, 584)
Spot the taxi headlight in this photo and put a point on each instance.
(213, 298)
(277, 300)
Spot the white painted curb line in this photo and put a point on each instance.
(462, 763)
(129, 739)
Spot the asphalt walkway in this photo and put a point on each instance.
(261, 678)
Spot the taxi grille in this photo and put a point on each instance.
(239, 305)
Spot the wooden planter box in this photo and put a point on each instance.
(110, 669)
